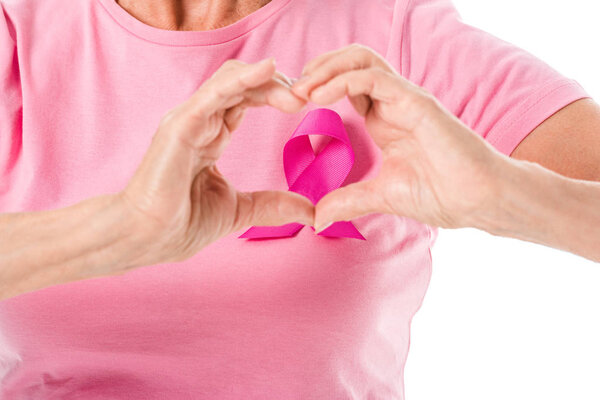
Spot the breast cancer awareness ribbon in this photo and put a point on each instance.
(314, 175)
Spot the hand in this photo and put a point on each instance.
(434, 169)
(180, 199)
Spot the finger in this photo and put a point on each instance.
(275, 93)
(347, 203)
(320, 59)
(298, 84)
(353, 57)
(270, 208)
(230, 81)
(373, 82)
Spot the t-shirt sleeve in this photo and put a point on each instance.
(499, 90)
(10, 103)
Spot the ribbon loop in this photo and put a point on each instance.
(313, 175)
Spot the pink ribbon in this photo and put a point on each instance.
(314, 175)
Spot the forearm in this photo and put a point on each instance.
(535, 204)
(44, 248)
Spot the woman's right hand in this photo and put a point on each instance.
(180, 200)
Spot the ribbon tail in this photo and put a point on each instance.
(342, 229)
(264, 232)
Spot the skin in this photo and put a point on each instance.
(471, 186)
(567, 143)
(190, 15)
(177, 202)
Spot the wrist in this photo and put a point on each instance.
(498, 213)
(138, 235)
(524, 202)
(96, 237)
(541, 206)
(479, 203)
(119, 238)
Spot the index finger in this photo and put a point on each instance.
(373, 82)
(228, 84)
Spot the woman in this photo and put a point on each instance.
(92, 189)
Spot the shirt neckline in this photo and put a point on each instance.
(192, 38)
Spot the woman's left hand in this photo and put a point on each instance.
(434, 168)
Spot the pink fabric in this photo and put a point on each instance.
(83, 86)
(314, 175)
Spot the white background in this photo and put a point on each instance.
(505, 319)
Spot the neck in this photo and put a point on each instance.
(190, 15)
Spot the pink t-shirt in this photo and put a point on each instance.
(83, 85)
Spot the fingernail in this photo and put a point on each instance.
(322, 227)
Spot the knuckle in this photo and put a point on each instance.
(225, 68)
(378, 70)
(199, 105)
(179, 124)
(310, 66)
(171, 118)
(199, 111)
(218, 92)
(361, 49)
(368, 56)
(243, 210)
(231, 62)
(381, 73)
(284, 207)
(427, 100)
(370, 74)
(168, 118)
(423, 105)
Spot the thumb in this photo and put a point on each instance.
(272, 207)
(346, 203)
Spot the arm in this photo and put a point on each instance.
(568, 142)
(176, 203)
(91, 238)
(566, 211)
(535, 204)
